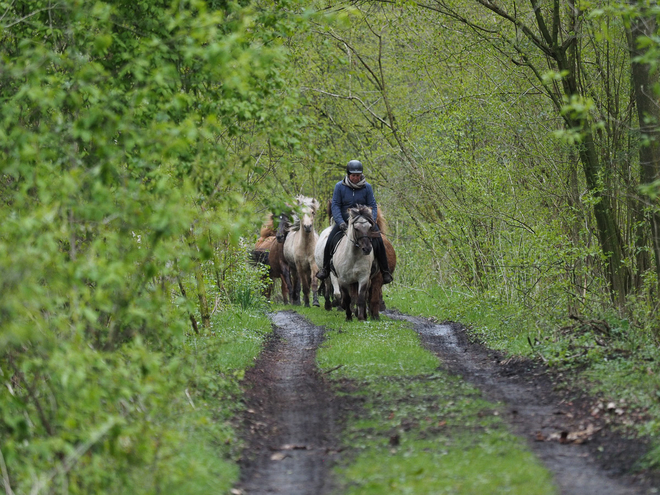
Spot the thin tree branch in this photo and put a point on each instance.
(18, 21)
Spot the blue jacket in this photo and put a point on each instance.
(345, 197)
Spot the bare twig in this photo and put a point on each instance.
(5, 475)
(192, 404)
(18, 21)
(333, 369)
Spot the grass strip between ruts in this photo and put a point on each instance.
(416, 429)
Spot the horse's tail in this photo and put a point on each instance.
(259, 257)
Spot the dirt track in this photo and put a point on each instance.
(557, 431)
(292, 417)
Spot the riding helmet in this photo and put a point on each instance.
(354, 167)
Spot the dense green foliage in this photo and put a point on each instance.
(142, 141)
(509, 153)
(125, 185)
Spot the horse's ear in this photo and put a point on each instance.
(316, 204)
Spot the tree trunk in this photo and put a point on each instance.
(648, 111)
(609, 234)
(201, 294)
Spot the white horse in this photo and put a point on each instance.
(299, 251)
(330, 286)
(353, 260)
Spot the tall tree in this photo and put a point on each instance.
(643, 26)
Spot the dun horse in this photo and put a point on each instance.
(353, 261)
(299, 251)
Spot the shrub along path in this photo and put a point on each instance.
(469, 423)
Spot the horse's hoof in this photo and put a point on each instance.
(316, 303)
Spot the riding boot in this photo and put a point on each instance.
(324, 272)
(381, 257)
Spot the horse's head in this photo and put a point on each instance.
(360, 223)
(309, 207)
(284, 224)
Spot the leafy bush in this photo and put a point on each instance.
(89, 421)
(118, 174)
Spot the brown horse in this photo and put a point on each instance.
(376, 303)
(269, 251)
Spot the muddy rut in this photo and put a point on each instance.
(560, 434)
(290, 417)
(291, 421)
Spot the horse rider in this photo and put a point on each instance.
(353, 190)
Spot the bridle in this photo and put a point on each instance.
(355, 240)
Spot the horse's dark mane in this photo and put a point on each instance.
(360, 210)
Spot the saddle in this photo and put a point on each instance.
(334, 242)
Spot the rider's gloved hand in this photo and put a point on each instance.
(343, 226)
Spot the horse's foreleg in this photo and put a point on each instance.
(362, 301)
(354, 297)
(336, 293)
(304, 276)
(346, 303)
(315, 286)
(325, 291)
(285, 289)
(375, 296)
(286, 281)
(295, 283)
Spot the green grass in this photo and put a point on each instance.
(202, 447)
(417, 430)
(501, 326)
